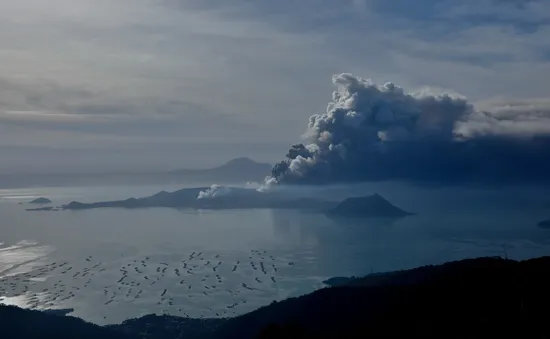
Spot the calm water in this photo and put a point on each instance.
(113, 264)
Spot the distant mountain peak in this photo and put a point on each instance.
(241, 161)
(41, 200)
(242, 169)
(369, 206)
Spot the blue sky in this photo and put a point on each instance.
(125, 84)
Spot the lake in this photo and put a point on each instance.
(113, 264)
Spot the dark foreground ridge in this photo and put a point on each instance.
(26, 324)
(476, 298)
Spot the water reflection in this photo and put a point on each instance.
(359, 246)
(345, 246)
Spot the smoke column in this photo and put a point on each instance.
(381, 132)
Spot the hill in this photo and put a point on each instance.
(18, 323)
(370, 206)
(481, 298)
(40, 201)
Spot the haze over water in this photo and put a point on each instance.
(114, 264)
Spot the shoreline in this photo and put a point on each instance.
(450, 288)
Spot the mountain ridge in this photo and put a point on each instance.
(241, 169)
(237, 170)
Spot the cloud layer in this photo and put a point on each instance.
(379, 132)
(162, 83)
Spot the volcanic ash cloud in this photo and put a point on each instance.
(380, 132)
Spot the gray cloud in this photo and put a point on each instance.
(117, 75)
(378, 132)
(521, 118)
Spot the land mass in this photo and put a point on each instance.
(370, 206)
(41, 201)
(48, 209)
(474, 298)
(235, 198)
(242, 198)
(544, 224)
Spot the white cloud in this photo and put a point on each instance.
(418, 137)
(524, 118)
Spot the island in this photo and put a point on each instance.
(370, 206)
(227, 198)
(40, 201)
(544, 224)
(49, 208)
(218, 197)
(488, 297)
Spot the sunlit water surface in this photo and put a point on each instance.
(113, 264)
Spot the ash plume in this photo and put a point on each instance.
(214, 191)
(381, 132)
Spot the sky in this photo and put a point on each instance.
(109, 85)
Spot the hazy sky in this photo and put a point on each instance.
(116, 84)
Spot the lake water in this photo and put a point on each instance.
(114, 264)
